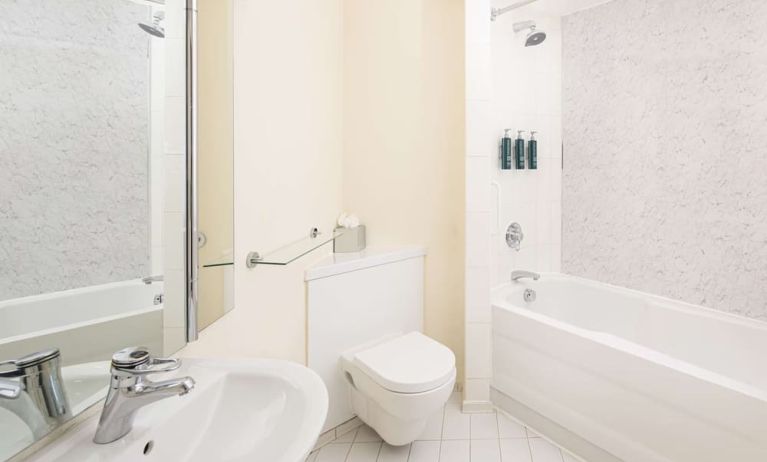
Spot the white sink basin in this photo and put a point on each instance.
(239, 410)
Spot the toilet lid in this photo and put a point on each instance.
(410, 363)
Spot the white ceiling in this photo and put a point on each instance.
(552, 7)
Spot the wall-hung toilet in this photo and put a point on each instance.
(364, 324)
(396, 384)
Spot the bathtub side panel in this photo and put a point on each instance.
(635, 409)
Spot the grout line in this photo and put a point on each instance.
(529, 449)
(348, 451)
(498, 425)
(470, 442)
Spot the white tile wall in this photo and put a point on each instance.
(507, 86)
(174, 164)
(480, 152)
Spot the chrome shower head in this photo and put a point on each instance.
(534, 37)
(156, 28)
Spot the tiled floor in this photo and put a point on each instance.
(450, 436)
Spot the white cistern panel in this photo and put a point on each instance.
(354, 299)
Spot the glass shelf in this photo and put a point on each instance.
(215, 264)
(293, 251)
(225, 259)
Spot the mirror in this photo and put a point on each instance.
(215, 160)
(92, 193)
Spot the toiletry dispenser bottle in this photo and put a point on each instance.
(532, 152)
(519, 151)
(506, 150)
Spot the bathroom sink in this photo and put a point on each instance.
(239, 410)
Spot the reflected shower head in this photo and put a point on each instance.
(534, 37)
(156, 28)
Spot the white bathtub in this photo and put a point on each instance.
(87, 324)
(614, 374)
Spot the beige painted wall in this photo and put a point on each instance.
(404, 140)
(349, 103)
(287, 145)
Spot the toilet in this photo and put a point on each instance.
(398, 382)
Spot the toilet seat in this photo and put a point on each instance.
(410, 363)
(397, 384)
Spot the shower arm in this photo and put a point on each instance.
(495, 12)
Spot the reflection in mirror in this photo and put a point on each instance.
(215, 159)
(91, 200)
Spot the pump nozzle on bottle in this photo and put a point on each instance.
(532, 151)
(519, 151)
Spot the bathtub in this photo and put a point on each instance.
(87, 324)
(615, 374)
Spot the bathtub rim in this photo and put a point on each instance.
(47, 296)
(677, 305)
(625, 346)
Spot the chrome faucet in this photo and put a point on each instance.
(520, 274)
(150, 279)
(33, 390)
(130, 390)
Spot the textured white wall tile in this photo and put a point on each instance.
(477, 390)
(477, 21)
(478, 294)
(477, 239)
(527, 96)
(480, 139)
(74, 139)
(478, 355)
(478, 76)
(477, 184)
(665, 120)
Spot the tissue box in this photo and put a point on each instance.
(351, 240)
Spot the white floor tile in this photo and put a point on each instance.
(508, 428)
(433, 430)
(484, 426)
(348, 426)
(364, 452)
(333, 452)
(543, 451)
(424, 451)
(325, 438)
(455, 451)
(531, 433)
(366, 434)
(347, 437)
(457, 425)
(515, 450)
(485, 451)
(393, 453)
(568, 458)
(450, 436)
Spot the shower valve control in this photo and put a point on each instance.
(514, 236)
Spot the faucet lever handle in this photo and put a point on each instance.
(138, 361)
(161, 365)
(9, 389)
